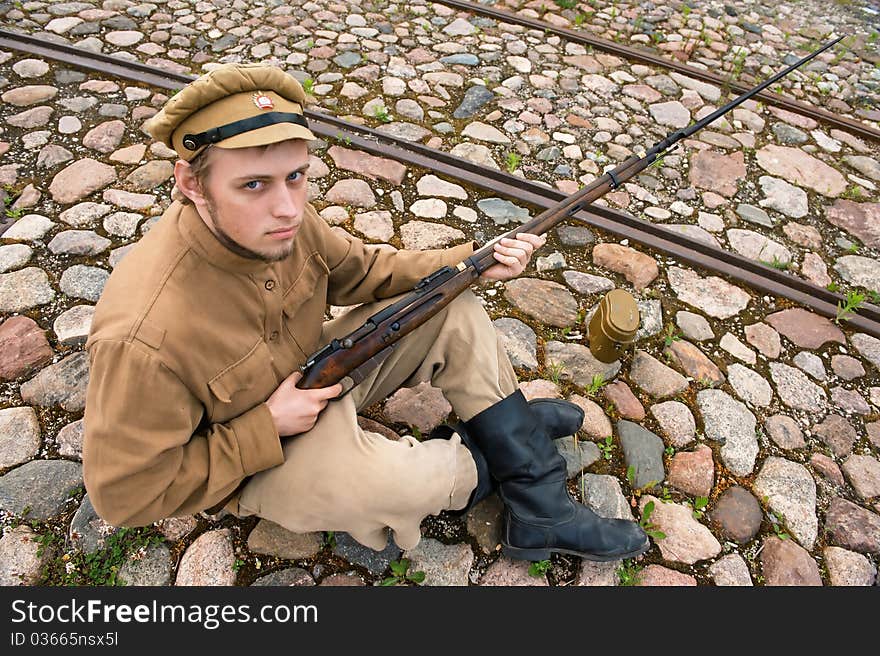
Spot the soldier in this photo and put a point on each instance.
(197, 341)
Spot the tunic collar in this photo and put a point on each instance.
(205, 242)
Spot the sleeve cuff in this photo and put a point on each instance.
(454, 255)
(259, 445)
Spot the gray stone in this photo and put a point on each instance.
(22, 556)
(749, 385)
(82, 281)
(795, 389)
(14, 256)
(63, 383)
(444, 565)
(291, 576)
(88, 532)
(19, 436)
(602, 494)
(72, 326)
(519, 341)
(42, 487)
(694, 326)
(730, 570)
(642, 450)
(578, 454)
(791, 494)
(78, 242)
(148, 567)
(731, 423)
(356, 553)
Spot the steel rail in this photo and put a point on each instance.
(640, 55)
(621, 224)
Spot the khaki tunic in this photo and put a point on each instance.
(187, 342)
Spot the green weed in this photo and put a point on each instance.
(670, 334)
(776, 263)
(647, 526)
(596, 384)
(854, 192)
(700, 504)
(854, 300)
(381, 113)
(512, 161)
(100, 567)
(539, 568)
(607, 447)
(629, 573)
(555, 371)
(778, 526)
(400, 573)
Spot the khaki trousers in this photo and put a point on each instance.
(338, 477)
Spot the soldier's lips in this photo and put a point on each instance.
(286, 233)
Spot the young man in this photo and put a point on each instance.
(197, 340)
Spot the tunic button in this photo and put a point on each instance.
(273, 336)
(270, 285)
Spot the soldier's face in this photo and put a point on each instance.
(254, 198)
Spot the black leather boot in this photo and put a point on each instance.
(559, 419)
(540, 517)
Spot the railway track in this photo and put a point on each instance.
(640, 55)
(732, 266)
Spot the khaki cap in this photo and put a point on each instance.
(233, 106)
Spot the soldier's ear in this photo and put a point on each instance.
(187, 182)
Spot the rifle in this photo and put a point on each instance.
(353, 357)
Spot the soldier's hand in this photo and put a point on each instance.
(513, 256)
(296, 410)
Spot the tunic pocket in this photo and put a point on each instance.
(243, 384)
(304, 304)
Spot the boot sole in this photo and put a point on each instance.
(535, 555)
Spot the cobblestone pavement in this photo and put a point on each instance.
(743, 430)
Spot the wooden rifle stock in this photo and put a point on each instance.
(351, 358)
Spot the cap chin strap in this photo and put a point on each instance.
(196, 141)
